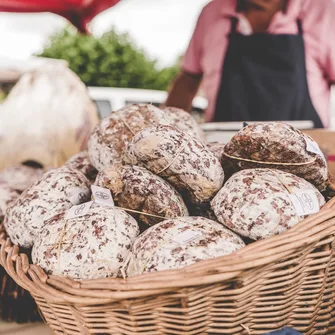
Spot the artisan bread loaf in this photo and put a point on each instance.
(176, 243)
(138, 189)
(55, 192)
(110, 138)
(279, 146)
(87, 247)
(185, 162)
(259, 203)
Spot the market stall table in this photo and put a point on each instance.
(26, 329)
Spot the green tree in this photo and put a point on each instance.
(112, 60)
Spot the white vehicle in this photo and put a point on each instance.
(111, 99)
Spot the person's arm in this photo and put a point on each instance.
(327, 39)
(183, 90)
(186, 85)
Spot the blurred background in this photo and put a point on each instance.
(134, 45)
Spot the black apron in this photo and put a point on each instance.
(264, 79)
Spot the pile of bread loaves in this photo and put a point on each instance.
(151, 195)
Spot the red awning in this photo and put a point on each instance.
(78, 12)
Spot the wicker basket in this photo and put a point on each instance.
(286, 280)
(16, 304)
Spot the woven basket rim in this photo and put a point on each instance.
(305, 235)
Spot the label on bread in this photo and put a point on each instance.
(78, 195)
(186, 236)
(79, 210)
(305, 202)
(313, 147)
(102, 196)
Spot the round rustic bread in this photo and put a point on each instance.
(184, 121)
(20, 177)
(257, 203)
(82, 163)
(68, 181)
(176, 243)
(182, 160)
(91, 246)
(110, 138)
(276, 143)
(136, 188)
(55, 192)
(7, 197)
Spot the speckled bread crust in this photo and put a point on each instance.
(67, 181)
(82, 163)
(110, 138)
(218, 150)
(27, 216)
(278, 143)
(7, 197)
(20, 177)
(256, 204)
(57, 191)
(185, 122)
(182, 160)
(136, 188)
(157, 250)
(87, 247)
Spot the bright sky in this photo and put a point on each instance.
(162, 27)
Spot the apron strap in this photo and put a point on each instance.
(234, 22)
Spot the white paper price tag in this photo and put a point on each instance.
(305, 202)
(313, 147)
(79, 195)
(79, 210)
(186, 237)
(102, 196)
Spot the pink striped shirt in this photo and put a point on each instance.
(205, 53)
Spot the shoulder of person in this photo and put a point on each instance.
(317, 10)
(212, 10)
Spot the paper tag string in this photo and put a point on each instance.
(60, 244)
(143, 213)
(176, 156)
(289, 190)
(269, 163)
(128, 126)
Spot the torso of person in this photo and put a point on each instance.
(214, 40)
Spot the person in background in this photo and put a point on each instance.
(261, 60)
